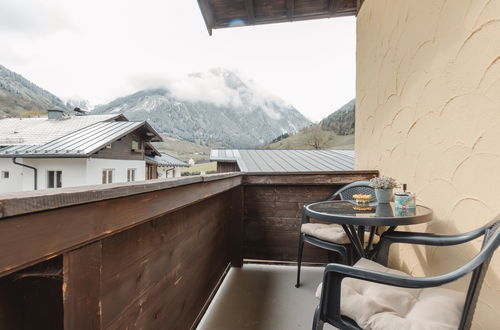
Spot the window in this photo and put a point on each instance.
(5, 175)
(107, 176)
(137, 146)
(54, 179)
(130, 174)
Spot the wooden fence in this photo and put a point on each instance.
(148, 254)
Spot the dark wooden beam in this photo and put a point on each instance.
(335, 178)
(42, 200)
(82, 288)
(262, 21)
(208, 14)
(250, 12)
(290, 6)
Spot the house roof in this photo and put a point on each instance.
(232, 13)
(80, 143)
(166, 160)
(38, 131)
(269, 161)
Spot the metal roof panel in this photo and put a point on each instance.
(38, 131)
(283, 161)
(80, 143)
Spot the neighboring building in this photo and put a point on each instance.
(161, 165)
(269, 161)
(167, 166)
(43, 153)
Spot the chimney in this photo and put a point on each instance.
(55, 114)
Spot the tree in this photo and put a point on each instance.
(317, 137)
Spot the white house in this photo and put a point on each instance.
(66, 151)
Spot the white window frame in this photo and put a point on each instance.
(3, 173)
(131, 172)
(106, 179)
(55, 178)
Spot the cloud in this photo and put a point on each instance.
(219, 86)
(32, 18)
(206, 87)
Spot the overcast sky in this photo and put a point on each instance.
(103, 49)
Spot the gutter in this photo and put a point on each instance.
(35, 171)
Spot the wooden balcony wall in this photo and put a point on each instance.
(273, 208)
(144, 255)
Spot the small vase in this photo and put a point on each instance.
(384, 196)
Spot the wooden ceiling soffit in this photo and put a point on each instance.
(233, 13)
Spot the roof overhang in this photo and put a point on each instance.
(233, 13)
(152, 149)
(152, 134)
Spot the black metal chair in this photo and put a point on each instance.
(342, 249)
(329, 309)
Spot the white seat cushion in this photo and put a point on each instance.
(377, 306)
(331, 233)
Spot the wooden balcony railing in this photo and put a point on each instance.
(146, 254)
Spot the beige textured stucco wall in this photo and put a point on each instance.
(428, 113)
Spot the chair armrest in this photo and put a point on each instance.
(389, 238)
(341, 271)
(428, 238)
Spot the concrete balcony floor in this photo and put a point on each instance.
(261, 297)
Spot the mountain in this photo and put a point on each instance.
(334, 132)
(18, 95)
(216, 107)
(341, 121)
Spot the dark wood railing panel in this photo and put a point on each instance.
(28, 239)
(159, 275)
(271, 221)
(273, 208)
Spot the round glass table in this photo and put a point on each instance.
(354, 219)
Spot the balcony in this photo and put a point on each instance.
(259, 296)
(153, 254)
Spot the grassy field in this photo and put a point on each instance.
(205, 167)
(301, 140)
(183, 150)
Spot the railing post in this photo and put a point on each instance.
(82, 288)
(236, 227)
